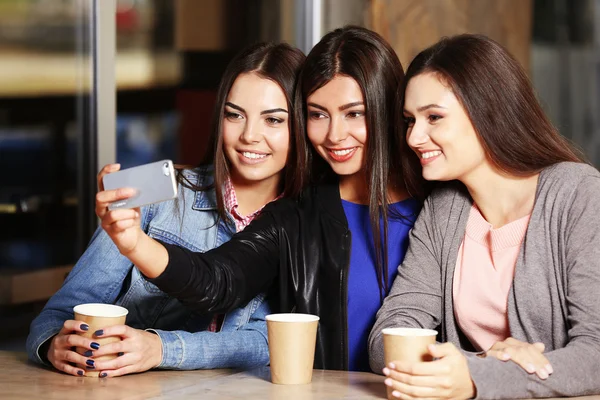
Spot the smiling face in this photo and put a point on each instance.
(440, 131)
(256, 134)
(336, 124)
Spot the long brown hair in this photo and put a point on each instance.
(280, 63)
(367, 58)
(516, 135)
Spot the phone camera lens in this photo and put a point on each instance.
(166, 171)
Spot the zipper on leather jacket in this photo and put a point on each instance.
(344, 293)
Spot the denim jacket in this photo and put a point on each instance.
(103, 275)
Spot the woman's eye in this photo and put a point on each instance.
(274, 121)
(409, 121)
(355, 114)
(434, 117)
(316, 115)
(232, 116)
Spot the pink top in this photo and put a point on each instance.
(484, 272)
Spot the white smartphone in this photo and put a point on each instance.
(154, 182)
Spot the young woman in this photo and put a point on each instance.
(253, 162)
(505, 256)
(330, 252)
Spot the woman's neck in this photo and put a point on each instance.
(252, 195)
(354, 188)
(501, 198)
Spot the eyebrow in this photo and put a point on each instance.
(273, 110)
(341, 108)
(428, 106)
(235, 107)
(270, 111)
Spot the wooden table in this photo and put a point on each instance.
(20, 379)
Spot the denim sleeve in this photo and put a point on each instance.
(244, 348)
(97, 277)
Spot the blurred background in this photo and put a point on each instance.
(87, 82)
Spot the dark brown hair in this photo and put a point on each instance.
(280, 63)
(367, 58)
(516, 135)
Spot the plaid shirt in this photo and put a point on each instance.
(231, 206)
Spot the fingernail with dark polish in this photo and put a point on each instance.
(90, 362)
(119, 354)
(90, 367)
(84, 327)
(88, 353)
(95, 345)
(103, 375)
(99, 332)
(80, 372)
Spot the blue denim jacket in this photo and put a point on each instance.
(103, 275)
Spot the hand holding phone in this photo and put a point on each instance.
(153, 183)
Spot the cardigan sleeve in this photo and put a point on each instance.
(415, 299)
(575, 365)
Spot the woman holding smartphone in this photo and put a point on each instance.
(334, 252)
(253, 161)
(505, 255)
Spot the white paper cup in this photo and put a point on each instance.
(99, 316)
(406, 344)
(292, 340)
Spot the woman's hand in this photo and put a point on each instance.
(447, 377)
(61, 353)
(528, 356)
(138, 351)
(122, 225)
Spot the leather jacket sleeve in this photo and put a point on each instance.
(228, 276)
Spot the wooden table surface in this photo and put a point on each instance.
(20, 379)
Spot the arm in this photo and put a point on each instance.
(415, 299)
(226, 277)
(97, 277)
(575, 365)
(216, 281)
(244, 348)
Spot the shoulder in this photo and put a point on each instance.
(287, 210)
(281, 206)
(570, 173)
(200, 176)
(188, 196)
(567, 181)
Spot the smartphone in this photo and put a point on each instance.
(154, 182)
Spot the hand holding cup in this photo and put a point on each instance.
(97, 317)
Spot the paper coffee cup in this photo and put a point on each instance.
(292, 340)
(406, 344)
(99, 316)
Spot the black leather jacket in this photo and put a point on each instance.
(303, 246)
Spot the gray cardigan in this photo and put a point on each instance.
(554, 299)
